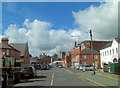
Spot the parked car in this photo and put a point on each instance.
(45, 67)
(89, 67)
(28, 71)
(81, 67)
(41, 67)
(57, 65)
(77, 67)
(73, 67)
(60, 66)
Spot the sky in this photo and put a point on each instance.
(48, 26)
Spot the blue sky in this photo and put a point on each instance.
(59, 14)
(48, 26)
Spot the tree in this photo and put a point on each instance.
(55, 55)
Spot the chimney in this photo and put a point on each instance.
(75, 45)
(4, 41)
(116, 38)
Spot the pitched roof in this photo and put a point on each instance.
(107, 45)
(88, 51)
(4, 46)
(21, 47)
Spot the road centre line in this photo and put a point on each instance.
(52, 79)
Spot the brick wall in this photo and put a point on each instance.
(89, 59)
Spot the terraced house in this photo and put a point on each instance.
(14, 54)
(9, 55)
(82, 53)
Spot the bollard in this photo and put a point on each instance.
(4, 80)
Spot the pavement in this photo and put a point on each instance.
(100, 79)
(107, 75)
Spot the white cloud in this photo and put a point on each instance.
(103, 20)
(42, 38)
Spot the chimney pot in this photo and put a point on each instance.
(4, 41)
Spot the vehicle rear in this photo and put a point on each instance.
(28, 72)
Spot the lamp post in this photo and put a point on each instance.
(92, 52)
(75, 36)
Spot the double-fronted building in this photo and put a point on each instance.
(109, 53)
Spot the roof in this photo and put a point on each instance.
(4, 46)
(117, 39)
(6, 39)
(21, 47)
(87, 41)
(107, 45)
(88, 51)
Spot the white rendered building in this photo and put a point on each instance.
(109, 53)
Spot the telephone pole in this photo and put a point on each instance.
(92, 52)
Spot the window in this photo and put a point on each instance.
(103, 53)
(7, 53)
(107, 53)
(84, 63)
(116, 50)
(103, 44)
(84, 57)
(113, 51)
(110, 52)
(96, 57)
(100, 54)
(96, 64)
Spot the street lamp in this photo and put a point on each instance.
(75, 36)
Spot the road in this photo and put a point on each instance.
(54, 77)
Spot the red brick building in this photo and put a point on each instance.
(82, 53)
(24, 49)
(86, 57)
(67, 60)
(74, 54)
(9, 54)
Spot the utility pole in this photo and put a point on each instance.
(92, 52)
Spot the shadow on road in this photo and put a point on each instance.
(41, 77)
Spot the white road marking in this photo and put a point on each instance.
(52, 79)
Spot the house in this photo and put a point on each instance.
(9, 54)
(62, 55)
(86, 57)
(109, 53)
(67, 60)
(74, 52)
(44, 59)
(24, 49)
(80, 54)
